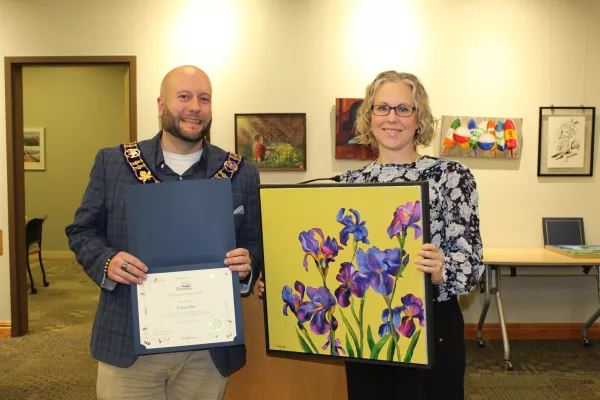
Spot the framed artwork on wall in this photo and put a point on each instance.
(341, 274)
(272, 142)
(34, 149)
(481, 137)
(346, 110)
(566, 141)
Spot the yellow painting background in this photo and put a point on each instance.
(286, 212)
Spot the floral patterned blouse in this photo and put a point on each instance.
(454, 215)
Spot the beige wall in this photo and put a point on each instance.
(82, 110)
(475, 57)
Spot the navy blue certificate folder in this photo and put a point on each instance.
(178, 226)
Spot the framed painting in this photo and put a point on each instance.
(340, 277)
(346, 147)
(34, 149)
(272, 142)
(566, 141)
(481, 137)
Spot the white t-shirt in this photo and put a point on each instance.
(181, 162)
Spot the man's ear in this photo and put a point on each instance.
(161, 106)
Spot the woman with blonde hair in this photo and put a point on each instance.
(395, 117)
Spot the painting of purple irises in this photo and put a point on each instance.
(358, 304)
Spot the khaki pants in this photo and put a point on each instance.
(171, 376)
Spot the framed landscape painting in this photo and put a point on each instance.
(272, 142)
(34, 149)
(340, 274)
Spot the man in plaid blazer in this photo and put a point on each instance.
(98, 237)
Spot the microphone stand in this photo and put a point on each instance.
(336, 178)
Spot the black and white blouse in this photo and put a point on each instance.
(454, 215)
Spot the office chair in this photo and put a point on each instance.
(34, 245)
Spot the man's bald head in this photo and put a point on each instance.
(184, 105)
(177, 74)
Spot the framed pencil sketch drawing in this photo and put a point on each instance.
(272, 142)
(34, 149)
(340, 272)
(566, 141)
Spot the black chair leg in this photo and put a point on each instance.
(33, 289)
(46, 283)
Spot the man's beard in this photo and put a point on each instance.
(170, 123)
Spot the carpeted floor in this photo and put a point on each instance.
(53, 360)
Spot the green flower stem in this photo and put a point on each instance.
(351, 333)
(354, 252)
(392, 329)
(331, 334)
(361, 313)
(401, 267)
(303, 329)
(322, 271)
(354, 312)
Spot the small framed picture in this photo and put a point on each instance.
(566, 141)
(346, 112)
(34, 149)
(272, 142)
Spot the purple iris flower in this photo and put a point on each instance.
(292, 301)
(385, 328)
(315, 310)
(337, 344)
(357, 228)
(379, 267)
(405, 217)
(352, 282)
(412, 307)
(324, 250)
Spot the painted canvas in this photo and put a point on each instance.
(566, 142)
(482, 137)
(34, 149)
(576, 251)
(345, 141)
(273, 142)
(339, 272)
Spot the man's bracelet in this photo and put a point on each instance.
(106, 264)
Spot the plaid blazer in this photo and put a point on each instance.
(100, 230)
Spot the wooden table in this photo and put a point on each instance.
(496, 258)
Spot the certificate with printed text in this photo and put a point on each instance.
(190, 300)
(184, 308)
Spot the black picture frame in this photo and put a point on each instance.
(566, 136)
(275, 267)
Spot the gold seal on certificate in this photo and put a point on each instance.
(186, 308)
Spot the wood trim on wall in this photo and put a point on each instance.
(16, 197)
(4, 329)
(132, 99)
(13, 78)
(533, 331)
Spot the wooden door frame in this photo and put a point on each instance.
(13, 80)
